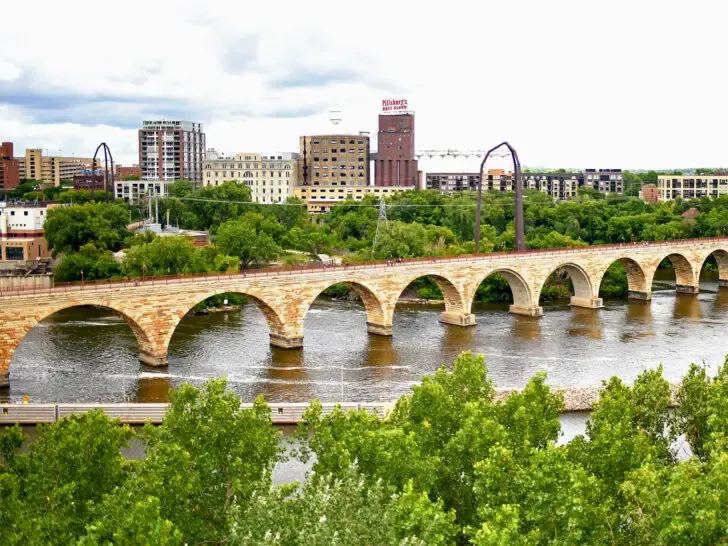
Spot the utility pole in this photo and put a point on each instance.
(381, 221)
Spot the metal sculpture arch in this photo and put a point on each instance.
(518, 216)
(108, 174)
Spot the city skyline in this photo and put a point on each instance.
(568, 86)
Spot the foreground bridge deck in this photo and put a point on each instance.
(154, 307)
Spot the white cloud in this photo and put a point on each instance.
(569, 83)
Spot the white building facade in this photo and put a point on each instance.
(271, 178)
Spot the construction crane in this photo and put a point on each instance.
(449, 153)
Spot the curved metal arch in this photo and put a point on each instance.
(518, 216)
(108, 158)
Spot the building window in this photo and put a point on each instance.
(14, 253)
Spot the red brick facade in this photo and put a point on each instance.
(9, 177)
(396, 164)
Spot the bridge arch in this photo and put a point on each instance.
(637, 285)
(721, 259)
(279, 334)
(143, 338)
(379, 315)
(584, 293)
(457, 306)
(521, 292)
(685, 273)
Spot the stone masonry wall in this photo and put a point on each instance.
(154, 310)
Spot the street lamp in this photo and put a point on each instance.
(518, 216)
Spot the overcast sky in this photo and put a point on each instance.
(631, 84)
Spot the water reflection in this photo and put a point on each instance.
(527, 328)
(152, 388)
(721, 299)
(286, 378)
(687, 306)
(456, 337)
(638, 322)
(585, 322)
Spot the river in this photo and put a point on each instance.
(90, 355)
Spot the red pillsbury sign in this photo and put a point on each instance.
(394, 106)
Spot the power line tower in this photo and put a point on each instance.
(381, 221)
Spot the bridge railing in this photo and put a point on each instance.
(182, 278)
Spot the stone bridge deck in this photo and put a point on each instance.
(154, 307)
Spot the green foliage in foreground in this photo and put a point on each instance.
(452, 464)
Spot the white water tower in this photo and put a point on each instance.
(335, 116)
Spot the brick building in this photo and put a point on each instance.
(334, 160)
(9, 174)
(396, 164)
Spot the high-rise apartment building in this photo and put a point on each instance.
(50, 169)
(9, 175)
(271, 177)
(171, 150)
(396, 164)
(334, 160)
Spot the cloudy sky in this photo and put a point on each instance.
(632, 84)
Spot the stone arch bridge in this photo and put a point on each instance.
(153, 308)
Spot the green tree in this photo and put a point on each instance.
(94, 263)
(67, 229)
(342, 510)
(245, 239)
(165, 256)
(48, 494)
(208, 456)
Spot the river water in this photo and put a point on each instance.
(90, 355)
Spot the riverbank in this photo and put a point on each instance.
(218, 309)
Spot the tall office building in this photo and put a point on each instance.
(171, 150)
(396, 164)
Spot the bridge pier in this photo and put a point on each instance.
(4, 379)
(637, 295)
(526, 310)
(379, 329)
(286, 342)
(458, 319)
(154, 360)
(686, 289)
(589, 303)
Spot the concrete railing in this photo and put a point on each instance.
(283, 413)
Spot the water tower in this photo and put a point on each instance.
(335, 117)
